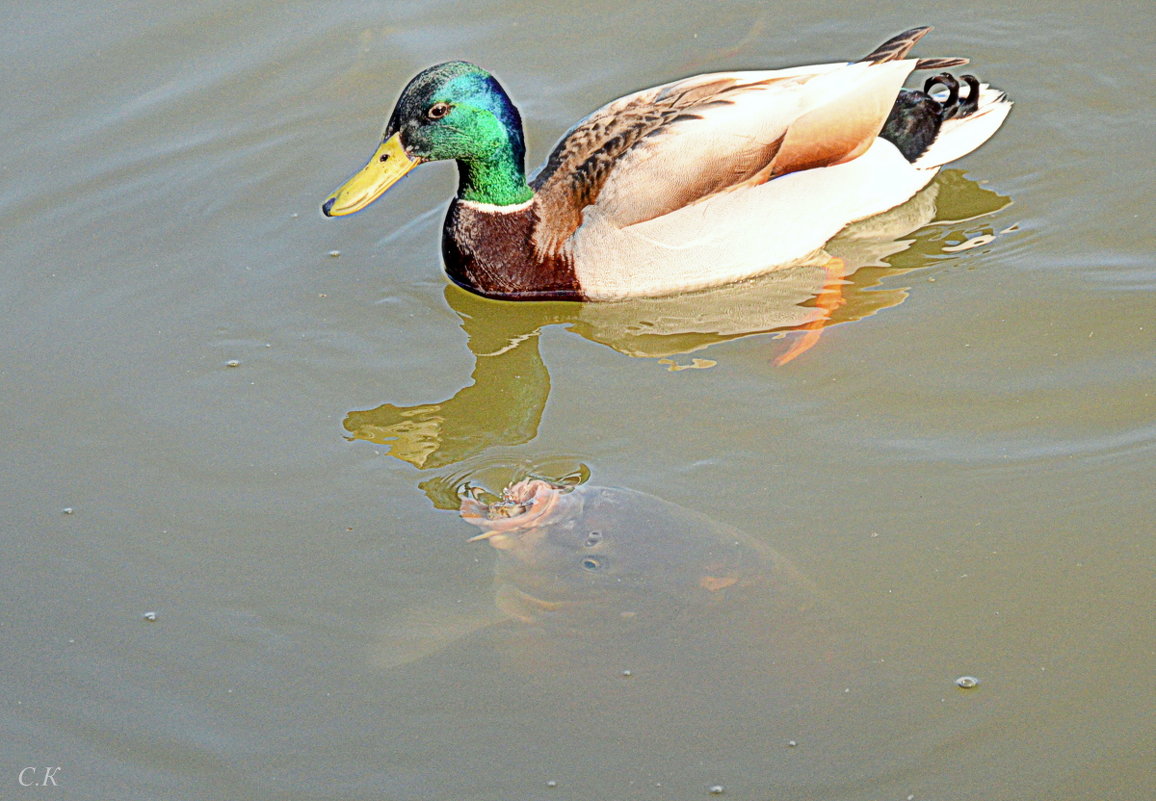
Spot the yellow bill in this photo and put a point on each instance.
(387, 166)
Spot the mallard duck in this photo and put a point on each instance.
(697, 183)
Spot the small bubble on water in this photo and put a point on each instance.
(967, 682)
(717, 789)
(551, 783)
(333, 254)
(233, 363)
(150, 616)
(791, 743)
(67, 510)
(626, 674)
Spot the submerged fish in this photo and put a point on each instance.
(605, 562)
(642, 641)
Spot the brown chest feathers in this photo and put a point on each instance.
(492, 253)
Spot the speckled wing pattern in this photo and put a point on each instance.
(899, 45)
(649, 154)
(583, 161)
(665, 148)
(659, 150)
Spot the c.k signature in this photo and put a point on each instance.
(31, 777)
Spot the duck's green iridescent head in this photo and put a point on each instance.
(456, 111)
(453, 111)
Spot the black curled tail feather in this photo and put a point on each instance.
(956, 104)
(970, 104)
(917, 116)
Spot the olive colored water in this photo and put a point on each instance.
(962, 464)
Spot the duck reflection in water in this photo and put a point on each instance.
(503, 405)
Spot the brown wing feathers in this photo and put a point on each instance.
(580, 165)
(899, 45)
(576, 171)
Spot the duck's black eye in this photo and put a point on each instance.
(592, 563)
(437, 111)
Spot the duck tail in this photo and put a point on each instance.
(932, 128)
(967, 122)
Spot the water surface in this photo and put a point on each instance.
(961, 463)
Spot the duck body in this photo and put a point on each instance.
(697, 183)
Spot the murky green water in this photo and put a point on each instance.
(961, 468)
